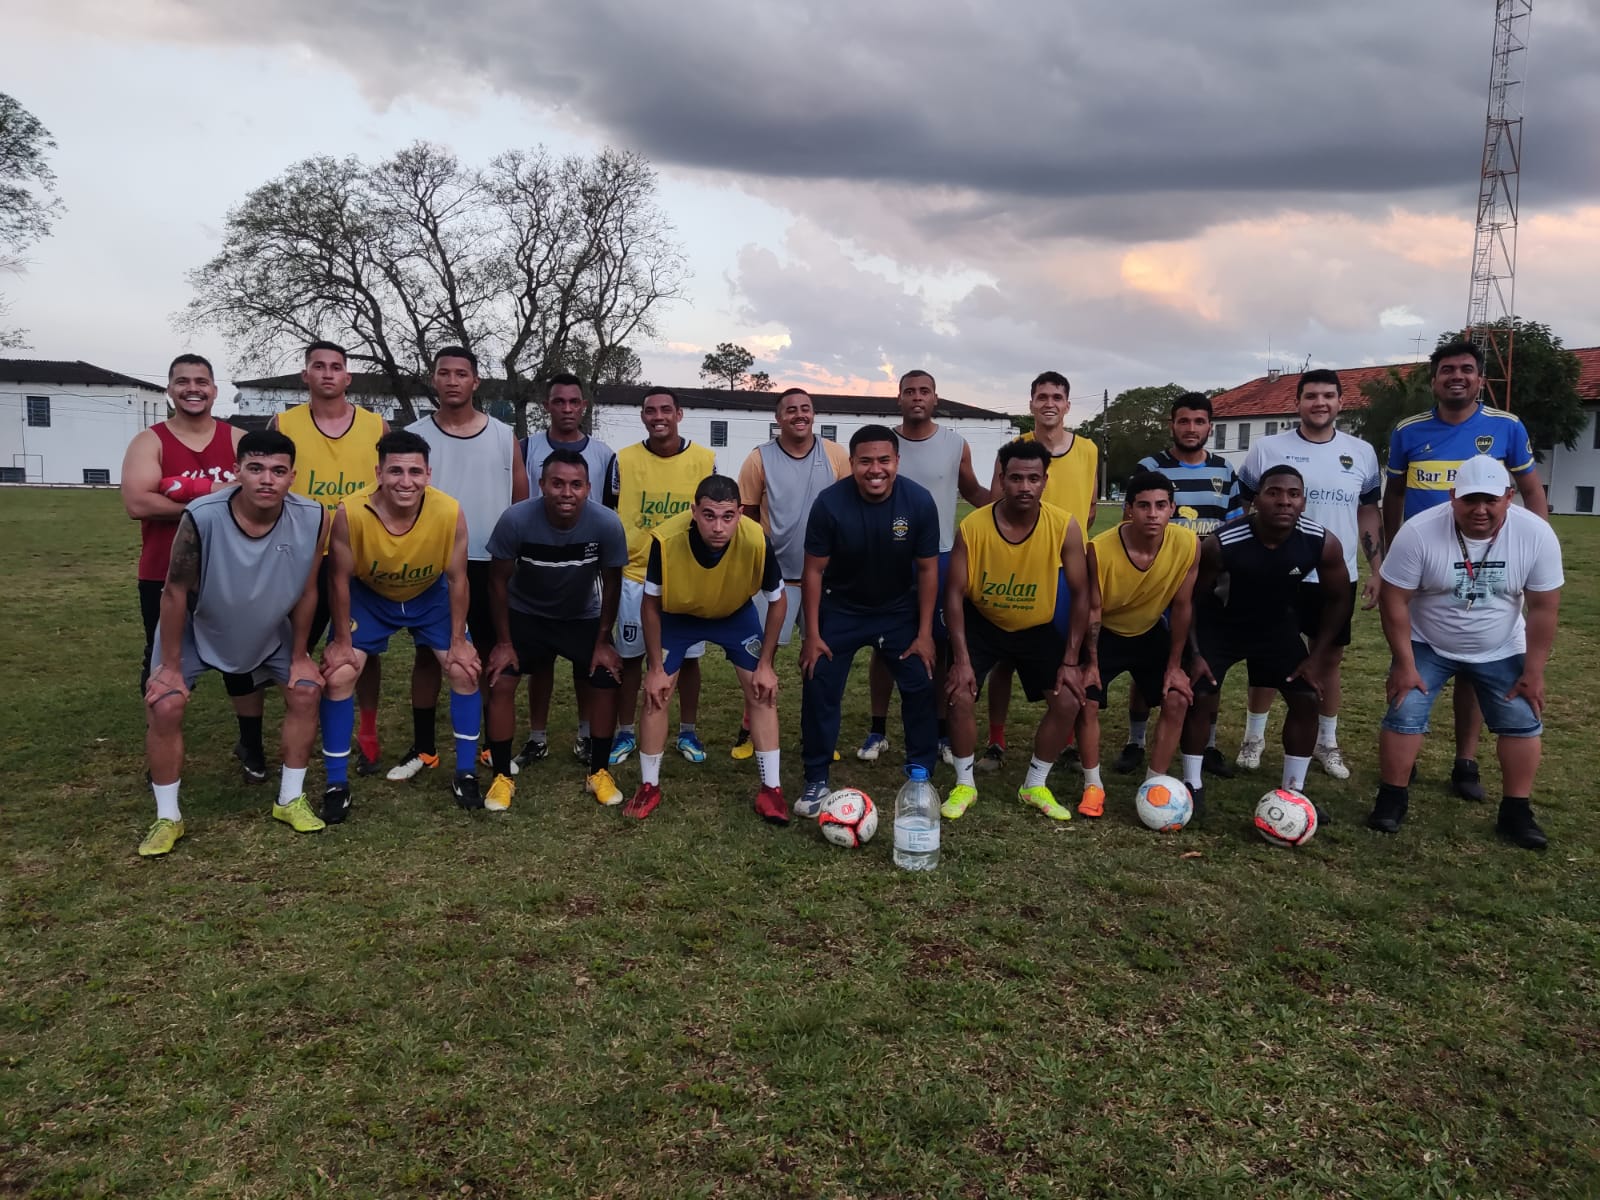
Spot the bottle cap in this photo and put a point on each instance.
(917, 772)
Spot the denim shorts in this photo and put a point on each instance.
(1490, 680)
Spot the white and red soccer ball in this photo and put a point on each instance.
(1286, 818)
(848, 818)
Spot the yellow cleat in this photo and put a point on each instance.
(743, 750)
(962, 797)
(500, 793)
(603, 788)
(1039, 797)
(163, 836)
(298, 815)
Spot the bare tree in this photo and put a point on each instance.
(27, 207)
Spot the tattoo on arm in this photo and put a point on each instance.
(1369, 546)
(185, 567)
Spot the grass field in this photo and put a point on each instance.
(556, 1002)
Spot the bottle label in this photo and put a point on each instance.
(916, 841)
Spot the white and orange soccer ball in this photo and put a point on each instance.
(1286, 818)
(848, 818)
(1164, 803)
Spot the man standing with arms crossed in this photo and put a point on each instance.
(871, 580)
(1341, 483)
(940, 461)
(1071, 485)
(651, 481)
(1205, 494)
(187, 456)
(336, 452)
(564, 406)
(1011, 560)
(778, 484)
(1425, 452)
(474, 459)
(239, 595)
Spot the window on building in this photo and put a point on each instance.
(1244, 436)
(1584, 499)
(772, 431)
(39, 412)
(831, 432)
(719, 433)
(1272, 428)
(1219, 437)
(13, 475)
(96, 475)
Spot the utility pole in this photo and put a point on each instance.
(1105, 404)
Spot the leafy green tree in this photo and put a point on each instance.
(729, 366)
(1024, 423)
(1135, 424)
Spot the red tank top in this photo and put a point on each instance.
(216, 461)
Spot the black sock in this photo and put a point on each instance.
(1516, 802)
(424, 735)
(1388, 791)
(500, 755)
(880, 726)
(944, 730)
(250, 734)
(600, 751)
(744, 735)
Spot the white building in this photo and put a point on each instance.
(731, 423)
(70, 422)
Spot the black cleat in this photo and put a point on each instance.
(1388, 813)
(1130, 760)
(1215, 762)
(1516, 824)
(252, 763)
(993, 758)
(464, 788)
(365, 765)
(336, 804)
(1198, 795)
(1464, 780)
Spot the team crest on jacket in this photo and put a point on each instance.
(1216, 486)
(1484, 442)
(901, 528)
(1346, 461)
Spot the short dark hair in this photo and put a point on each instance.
(1279, 469)
(1148, 481)
(320, 345)
(454, 352)
(661, 391)
(1198, 401)
(1011, 451)
(1055, 377)
(794, 391)
(402, 441)
(1320, 375)
(913, 373)
(567, 458)
(264, 443)
(565, 378)
(1454, 349)
(719, 489)
(874, 433)
(197, 360)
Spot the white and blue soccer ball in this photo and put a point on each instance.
(1164, 803)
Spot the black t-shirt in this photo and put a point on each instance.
(1258, 585)
(872, 549)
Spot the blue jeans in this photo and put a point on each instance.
(820, 696)
(1490, 680)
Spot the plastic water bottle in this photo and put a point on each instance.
(916, 822)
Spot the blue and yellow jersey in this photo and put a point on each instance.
(401, 566)
(1425, 452)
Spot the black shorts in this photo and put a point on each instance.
(540, 640)
(480, 624)
(150, 614)
(1308, 605)
(1143, 657)
(320, 618)
(1269, 655)
(1036, 653)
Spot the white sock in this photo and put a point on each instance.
(1255, 724)
(649, 768)
(964, 771)
(294, 783)
(767, 766)
(583, 729)
(1136, 731)
(1211, 742)
(1191, 770)
(624, 731)
(1038, 772)
(167, 800)
(1328, 730)
(1294, 772)
(1091, 777)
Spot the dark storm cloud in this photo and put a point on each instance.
(1129, 115)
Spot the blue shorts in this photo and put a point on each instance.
(1490, 680)
(374, 618)
(739, 635)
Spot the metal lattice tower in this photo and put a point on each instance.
(1491, 306)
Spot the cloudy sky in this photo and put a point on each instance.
(1129, 193)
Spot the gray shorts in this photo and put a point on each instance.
(274, 668)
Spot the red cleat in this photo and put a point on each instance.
(644, 801)
(770, 806)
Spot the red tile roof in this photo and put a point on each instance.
(1271, 396)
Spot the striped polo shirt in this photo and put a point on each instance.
(1206, 494)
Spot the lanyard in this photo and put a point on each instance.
(1466, 561)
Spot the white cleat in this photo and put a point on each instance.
(1332, 761)
(1250, 753)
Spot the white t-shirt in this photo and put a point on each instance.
(1340, 475)
(1426, 558)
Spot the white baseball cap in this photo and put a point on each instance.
(1482, 476)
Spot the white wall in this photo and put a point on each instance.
(1565, 471)
(263, 402)
(90, 428)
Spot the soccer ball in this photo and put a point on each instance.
(848, 818)
(1164, 803)
(1286, 818)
